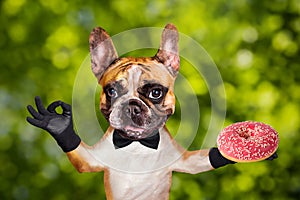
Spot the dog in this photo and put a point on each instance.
(137, 153)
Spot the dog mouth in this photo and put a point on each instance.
(135, 133)
(132, 131)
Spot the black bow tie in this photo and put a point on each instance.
(120, 142)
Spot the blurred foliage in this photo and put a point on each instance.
(255, 45)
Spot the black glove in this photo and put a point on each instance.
(273, 156)
(60, 126)
(217, 160)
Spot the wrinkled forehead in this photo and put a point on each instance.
(138, 71)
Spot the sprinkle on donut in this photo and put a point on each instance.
(248, 141)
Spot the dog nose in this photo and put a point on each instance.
(135, 112)
(134, 108)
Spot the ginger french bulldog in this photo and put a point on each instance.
(137, 152)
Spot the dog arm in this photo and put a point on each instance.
(83, 160)
(193, 162)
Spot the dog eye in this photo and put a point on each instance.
(112, 93)
(155, 93)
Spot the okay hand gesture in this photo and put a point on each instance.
(60, 126)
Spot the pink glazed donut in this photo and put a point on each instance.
(247, 141)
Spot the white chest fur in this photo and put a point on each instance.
(145, 186)
(136, 172)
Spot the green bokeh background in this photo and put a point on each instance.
(255, 45)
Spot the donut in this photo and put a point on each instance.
(247, 141)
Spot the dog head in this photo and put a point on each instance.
(137, 96)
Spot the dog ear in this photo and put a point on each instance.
(102, 51)
(168, 51)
